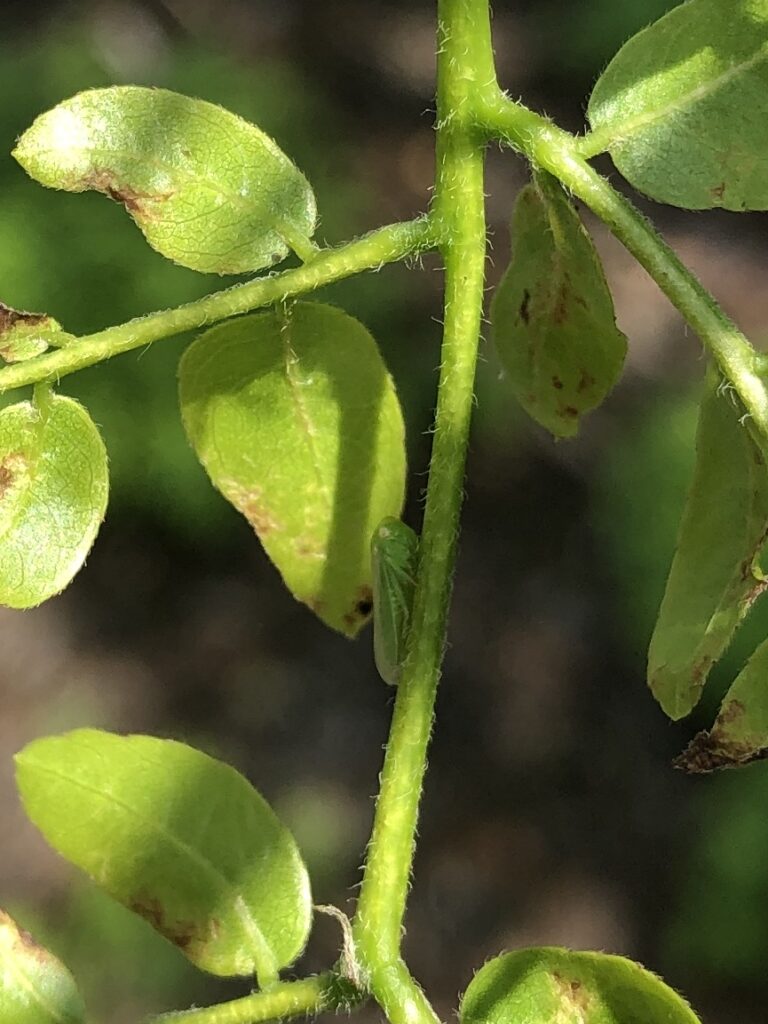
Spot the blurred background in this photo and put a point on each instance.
(552, 814)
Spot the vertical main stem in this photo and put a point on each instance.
(465, 64)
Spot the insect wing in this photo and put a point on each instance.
(394, 553)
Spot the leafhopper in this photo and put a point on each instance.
(394, 558)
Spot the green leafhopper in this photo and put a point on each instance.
(394, 555)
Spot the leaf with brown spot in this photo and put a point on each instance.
(179, 838)
(553, 319)
(296, 420)
(208, 189)
(559, 986)
(740, 733)
(714, 578)
(54, 481)
(35, 987)
(26, 335)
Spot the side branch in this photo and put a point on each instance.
(385, 245)
(561, 154)
(282, 1001)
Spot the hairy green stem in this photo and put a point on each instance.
(464, 65)
(386, 245)
(280, 1002)
(559, 153)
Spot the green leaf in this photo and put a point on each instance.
(740, 732)
(178, 837)
(26, 335)
(295, 418)
(558, 986)
(208, 189)
(394, 557)
(681, 107)
(552, 315)
(714, 577)
(35, 987)
(53, 495)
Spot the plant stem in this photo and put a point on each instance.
(372, 251)
(559, 153)
(283, 1000)
(464, 65)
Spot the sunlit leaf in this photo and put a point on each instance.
(208, 189)
(740, 732)
(295, 418)
(558, 986)
(681, 107)
(35, 987)
(178, 837)
(26, 335)
(53, 495)
(553, 320)
(714, 576)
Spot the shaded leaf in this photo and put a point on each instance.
(26, 335)
(714, 576)
(394, 558)
(681, 107)
(208, 189)
(35, 987)
(295, 418)
(553, 319)
(740, 732)
(558, 986)
(178, 837)
(53, 495)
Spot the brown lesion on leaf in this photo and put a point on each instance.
(560, 311)
(10, 318)
(11, 468)
(557, 384)
(571, 411)
(718, 192)
(24, 941)
(189, 936)
(362, 608)
(712, 751)
(251, 504)
(572, 993)
(524, 310)
(586, 381)
(135, 202)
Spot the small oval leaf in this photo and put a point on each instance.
(714, 578)
(53, 494)
(26, 335)
(35, 987)
(550, 985)
(208, 189)
(295, 418)
(681, 107)
(178, 837)
(740, 732)
(553, 319)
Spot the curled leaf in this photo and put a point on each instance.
(553, 319)
(550, 985)
(714, 578)
(681, 107)
(26, 335)
(740, 732)
(296, 420)
(178, 837)
(208, 189)
(53, 495)
(35, 987)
